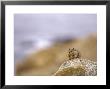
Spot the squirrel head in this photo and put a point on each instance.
(73, 53)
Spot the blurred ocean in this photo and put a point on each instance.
(33, 32)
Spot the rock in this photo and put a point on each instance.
(77, 67)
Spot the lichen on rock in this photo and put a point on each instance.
(70, 71)
(77, 67)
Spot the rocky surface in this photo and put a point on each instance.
(77, 67)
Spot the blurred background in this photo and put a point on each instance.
(41, 41)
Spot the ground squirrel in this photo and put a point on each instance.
(73, 53)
